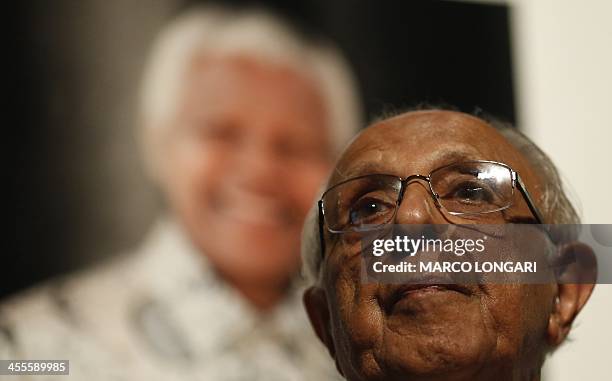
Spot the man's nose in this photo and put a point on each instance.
(418, 205)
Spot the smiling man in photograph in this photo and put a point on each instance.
(241, 118)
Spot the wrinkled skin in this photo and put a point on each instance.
(484, 332)
(244, 156)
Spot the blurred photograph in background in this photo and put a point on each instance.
(240, 118)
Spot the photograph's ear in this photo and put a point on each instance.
(576, 276)
(315, 301)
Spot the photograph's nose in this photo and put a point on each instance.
(257, 167)
(417, 206)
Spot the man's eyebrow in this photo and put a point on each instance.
(440, 159)
(458, 154)
(363, 168)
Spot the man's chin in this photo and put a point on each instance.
(427, 347)
(428, 365)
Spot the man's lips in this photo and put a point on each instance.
(400, 292)
(412, 288)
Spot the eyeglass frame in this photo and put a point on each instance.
(516, 183)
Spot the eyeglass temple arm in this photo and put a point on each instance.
(521, 187)
(321, 221)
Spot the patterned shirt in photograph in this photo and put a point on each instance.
(160, 313)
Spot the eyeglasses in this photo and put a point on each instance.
(467, 188)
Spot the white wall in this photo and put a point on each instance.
(563, 62)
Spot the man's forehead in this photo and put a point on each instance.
(419, 142)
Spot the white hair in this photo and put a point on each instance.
(553, 202)
(253, 33)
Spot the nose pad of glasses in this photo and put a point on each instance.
(415, 178)
(422, 197)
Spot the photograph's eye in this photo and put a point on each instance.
(369, 210)
(215, 130)
(220, 131)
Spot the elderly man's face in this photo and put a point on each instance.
(488, 332)
(248, 149)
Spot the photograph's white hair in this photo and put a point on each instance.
(252, 33)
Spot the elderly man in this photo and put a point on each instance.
(492, 331)
(241, 119)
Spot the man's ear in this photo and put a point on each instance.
(315, 301)
(576, 275)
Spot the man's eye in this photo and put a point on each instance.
(369, 211)
(472, 193)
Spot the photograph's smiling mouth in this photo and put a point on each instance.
(252, 208)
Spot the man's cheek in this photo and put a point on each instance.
(363, 328)
(503, 313)
(358, 307)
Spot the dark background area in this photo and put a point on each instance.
(79, 192)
